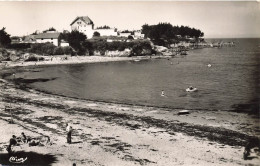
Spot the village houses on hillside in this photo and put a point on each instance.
(84, 25)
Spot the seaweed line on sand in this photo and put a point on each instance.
(217, 134)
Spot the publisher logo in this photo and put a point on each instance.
(16, 160)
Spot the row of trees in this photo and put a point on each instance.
(78, 41)
(104, 27)
(165, 33)
(50, 29)
(127, 31)
(137, 47)
(74, 38)
(50, 49)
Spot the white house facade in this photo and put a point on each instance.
(51, 37)
(64, 43)
(138, 35)
(125, 34)
(83, 24)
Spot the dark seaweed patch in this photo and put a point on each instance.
(217, 134)
(18, 111)
(140, 161)
(29, 81)
(50, 118)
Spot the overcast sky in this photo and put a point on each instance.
(215, 19)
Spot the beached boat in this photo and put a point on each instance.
(183, 112)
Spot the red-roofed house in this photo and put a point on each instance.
(53, 37)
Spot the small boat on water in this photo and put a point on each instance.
(191, 89)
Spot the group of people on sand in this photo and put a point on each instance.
(37, 141)
(23, 139)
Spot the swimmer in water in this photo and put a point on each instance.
(162, 94)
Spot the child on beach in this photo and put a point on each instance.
(23, 137)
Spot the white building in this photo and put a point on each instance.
(124, 34)
(64, 43)
(85, 25)
(138, 35)
(52, 37)
(106, 32)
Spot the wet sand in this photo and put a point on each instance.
(121, 134)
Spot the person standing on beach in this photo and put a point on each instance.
(69, 132)
(12, 142)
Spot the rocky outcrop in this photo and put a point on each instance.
(160, 48)
(4, 54)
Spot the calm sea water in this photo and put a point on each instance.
(232, 79)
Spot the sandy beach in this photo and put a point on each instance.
(113, 134)
(60, 59)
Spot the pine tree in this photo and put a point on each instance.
(4, 38)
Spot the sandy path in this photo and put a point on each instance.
(116, 134)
